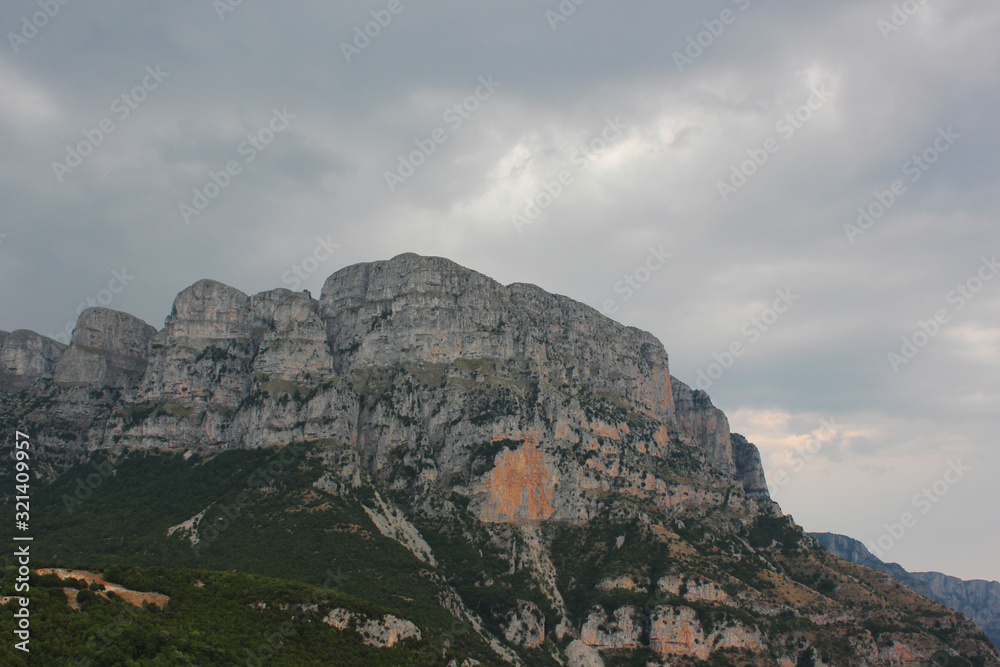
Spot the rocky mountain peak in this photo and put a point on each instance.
(413, 352)
(528, 459)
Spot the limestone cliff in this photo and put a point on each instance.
(27, 358)
(529, 459)
(533, 402)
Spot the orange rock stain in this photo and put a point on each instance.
(521, 486)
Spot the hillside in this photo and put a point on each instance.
(977, 599)
(473, 458)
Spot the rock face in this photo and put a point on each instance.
(977, 599)
(534, 403)
(677, 631)
(393, 524)
(385, 632)
(530, 459)
(108, 348)
(694, 590)
(27, 358)
(526, 625)
(749, 468)
(705, 423)
(622, 630)
(582, 655)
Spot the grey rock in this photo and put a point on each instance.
(107, 348)
(749, 468)
(533, 404)
(525, 625)
(705, 424)
(27, 358)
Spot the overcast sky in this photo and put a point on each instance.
(145, 145)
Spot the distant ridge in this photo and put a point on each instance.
(977, 599)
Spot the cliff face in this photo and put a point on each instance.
(977, 599)
(705, 423)
(530, 458)
(415, 358)
(27, 358)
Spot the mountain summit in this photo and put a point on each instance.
(414, 354)
(528, 461)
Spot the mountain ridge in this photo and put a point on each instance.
(311, 341)
(530, 466)
(979, 599)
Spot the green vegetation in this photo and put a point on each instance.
(266, 534)
(768, 530)
(212, 618)
(491, 404)
(261, 517)
(137, 414)
(604, 407)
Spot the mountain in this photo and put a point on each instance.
(508, 470)
(977, 599)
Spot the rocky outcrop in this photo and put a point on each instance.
(580, 654)
(188, 529)
(430, 310)
(623, 582)
(977, 599)
(694, 589)
(678, 632)
(384, 632)
(392, 523)
(623, 630)
(705, 424)
(533, 404)
(525, 625)
(108, 348)
(521, 485)
(26, 358)
(293, 346)
(749, 468)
